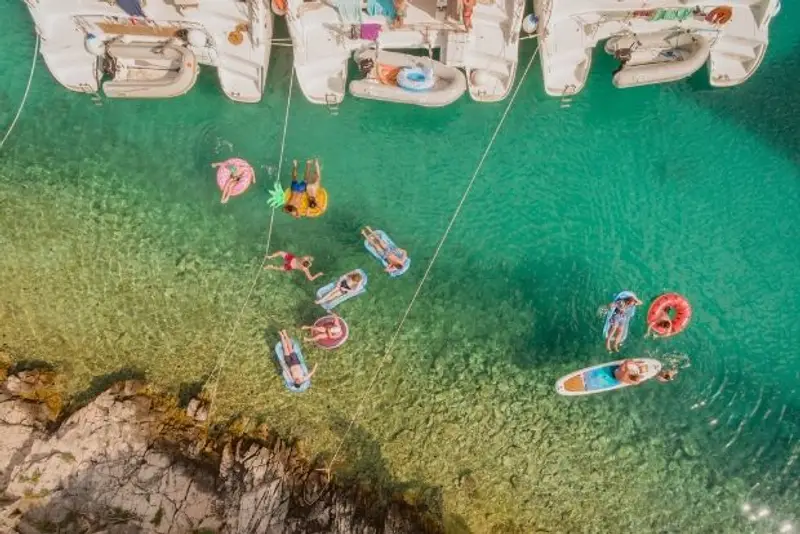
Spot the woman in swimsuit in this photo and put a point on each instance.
(312, 182)
(293, 263)
(345, 286)
(395, 257)
(617, 329)
(663, 321)
(236, 177)
(466, 14)
(618, 323)
(293, 361)
(298, 191)
(325, 333)
(628, 373)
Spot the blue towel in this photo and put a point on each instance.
(376, 8)
(602, 378)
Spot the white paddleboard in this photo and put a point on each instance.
(600, 378)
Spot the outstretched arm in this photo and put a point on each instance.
(309, 276)
(309, 375)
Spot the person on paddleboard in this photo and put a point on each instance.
(628, 372)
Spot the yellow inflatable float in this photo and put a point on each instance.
(305, 210)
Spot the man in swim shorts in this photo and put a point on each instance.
(293, 263)
(292, 360)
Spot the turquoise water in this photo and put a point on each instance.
(118, 258)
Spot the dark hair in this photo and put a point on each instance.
(288, 208)
(305, 263)
(312, 203)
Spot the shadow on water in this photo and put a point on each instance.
(366, 465)
(101, 383)
(767, 105)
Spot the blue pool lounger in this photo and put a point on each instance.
(356, 291)
(386, 239)
(287, 377)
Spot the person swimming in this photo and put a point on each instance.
(628, 372)
(345, 285)
(395, 257)
(666, 375)
(292, 361)
(325, 333)
(296, 194)
(293, 263)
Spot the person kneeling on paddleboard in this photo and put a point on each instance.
(628, 373)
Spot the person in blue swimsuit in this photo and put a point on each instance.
(297, 192)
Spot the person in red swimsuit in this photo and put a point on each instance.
(293, 263)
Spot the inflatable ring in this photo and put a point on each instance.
(235, 38)
(228, 168)
(720, 15)
(674, 305)
(279, 7)
(416, 79)
(305, 211)
(332, 342)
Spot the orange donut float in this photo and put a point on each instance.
(676, 307)
(720, 15)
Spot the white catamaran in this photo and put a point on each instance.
(154, 48)
(655, 41)
(479, 36)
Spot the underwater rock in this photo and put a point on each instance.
(110, 467)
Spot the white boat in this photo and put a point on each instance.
(145, 70)
(326, 33)
(730, 36)
(78, 36)
(489, 51)
(448, 83)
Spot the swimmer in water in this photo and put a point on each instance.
(673, 363)
(343, 287)
(666, 375)
(395, 257)
(292, 361)
(293, 263)
(325, 333)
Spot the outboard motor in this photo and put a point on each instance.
(365, 66)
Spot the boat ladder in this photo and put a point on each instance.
(566, 96)
(332, 104)
(94, 95)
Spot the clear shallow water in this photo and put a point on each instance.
(116, 257)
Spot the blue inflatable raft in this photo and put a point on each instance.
(287, 376)
(382, 258)
(356, 291)
(629, 313)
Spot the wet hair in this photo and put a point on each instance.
(306, 263)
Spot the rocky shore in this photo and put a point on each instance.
(133, 461)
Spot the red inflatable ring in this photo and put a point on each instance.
(676, 307)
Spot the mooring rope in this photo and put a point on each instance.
(433, 259)
(25, 96)
(216, 372)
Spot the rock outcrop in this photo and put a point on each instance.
(126, 463)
